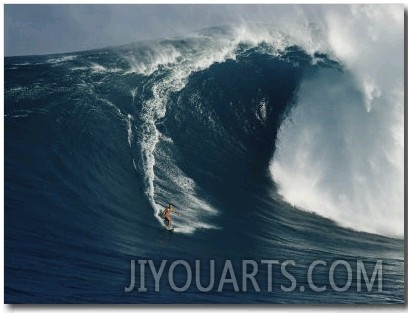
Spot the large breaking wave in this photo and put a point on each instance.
(340, 152)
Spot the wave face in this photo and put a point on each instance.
(246, 129)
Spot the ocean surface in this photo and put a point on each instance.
(260, 144)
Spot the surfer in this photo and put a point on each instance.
(166, 214)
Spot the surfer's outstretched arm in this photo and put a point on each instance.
(175, 211)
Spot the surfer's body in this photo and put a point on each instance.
(167, 215)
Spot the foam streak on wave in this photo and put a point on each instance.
(154, 109)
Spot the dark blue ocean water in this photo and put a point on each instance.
(96, 141)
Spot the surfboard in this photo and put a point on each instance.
(169, 229)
